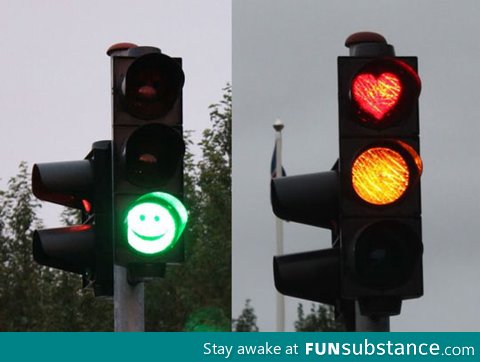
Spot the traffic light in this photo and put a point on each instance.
(84, 249)
(370, 200)
(310, 199)
(148, 150)
(379, 172)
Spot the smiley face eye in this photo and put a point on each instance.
(142, 217)
(156, 218)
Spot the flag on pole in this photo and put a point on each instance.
(273, 165)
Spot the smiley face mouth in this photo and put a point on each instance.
(148, 238)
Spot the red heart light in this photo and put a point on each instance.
(376, 95)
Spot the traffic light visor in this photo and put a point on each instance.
(67, 183)
(155, 222)
(153, 154)
(152, 85)
(386, 254)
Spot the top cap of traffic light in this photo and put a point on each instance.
(383, 91)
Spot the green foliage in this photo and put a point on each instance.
(70, 217)
(210, 319)
(32, 297)
(247, 321)
(196, 296)
(19, 279)
(320, 319)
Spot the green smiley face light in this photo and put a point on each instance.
(155, 222)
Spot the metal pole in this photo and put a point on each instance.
(128, 301)
(278, 126)
(368, 324)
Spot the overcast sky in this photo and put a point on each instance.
(284, 65)
(55, 94)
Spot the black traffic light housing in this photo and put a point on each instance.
(376, 254)
(148, 147)
(296, 274)
(84, 249)
(380, 234)
(310, 199)
(142, 168)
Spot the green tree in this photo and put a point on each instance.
(247, 321)
(33, 297)
(20, 280)
(197, 294)
(320, 319)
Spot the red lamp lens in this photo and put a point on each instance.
(376, 95)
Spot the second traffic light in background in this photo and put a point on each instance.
(379, 169)
(371, 198)
(148, 150)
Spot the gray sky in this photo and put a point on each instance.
(284, 65)
(55, 90)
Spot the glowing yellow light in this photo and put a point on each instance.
(380, 175)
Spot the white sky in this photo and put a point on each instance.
(285, 65)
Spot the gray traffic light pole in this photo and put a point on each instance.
(278, 126)
(368, 324)
(128, 301)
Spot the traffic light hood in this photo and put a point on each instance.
(153, 154)
(151, 86)
(64, 183)
(310, 199)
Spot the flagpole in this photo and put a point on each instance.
(278, 126)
